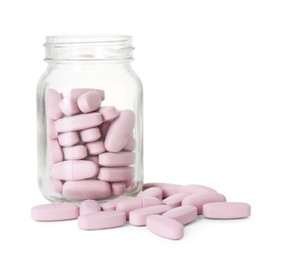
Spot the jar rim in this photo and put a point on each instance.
(87, 39)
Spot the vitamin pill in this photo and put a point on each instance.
(55, 212)
(74, 93)
(118, 188)
(95, 148)
(165, 227)
(102, 220)
(86, 189)
(68, 139)
(226, 210)
(167, 188)
(195, 188)
(183, 214)
(151, 192)
(111, 204)
(199, 199)
(90, 135)
(130, 145)
(52, 100)
(115, 174)
(175, 200)
(131, 203)
(69, 107)
(89, 101)
(89, 206)
(120, 131)
(138, 217)
(78, 122)
(55, 151)
(75, 152)
(74, 170)
(55, 184)
(116, 159)
(108, 113)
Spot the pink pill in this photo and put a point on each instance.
(120, 131)
(95, 148)
(90, 135)
(102, 220)
(89, 101)
(104, 128)
(152, 192)
(165, 227)
(118, 188)
(131, 144)
(116, 174)
(108, 113)
(51, 130)
(78, 122)
(138, 217)
(74, 93)
(52, 100)
(55, 184)
(183, 214)
(175, 200)
(75, 152)
(74, 170)
(116, 159)
(55, 212)
(86, 189)
(55, 151)
(68, 139)
(111, 204)
(131, 203)
(195, 188)
(89, 206)
(69, 107)
(226, 210)
(199, 199)
(93, 159)
(167, 188)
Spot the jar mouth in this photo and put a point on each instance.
(87, 39)
(100, 47)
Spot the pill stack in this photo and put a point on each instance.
(90, 146)
(163, 208)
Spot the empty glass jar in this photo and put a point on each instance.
(90, 121)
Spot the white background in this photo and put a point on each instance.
(212, 75)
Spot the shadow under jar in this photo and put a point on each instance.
(90, 121)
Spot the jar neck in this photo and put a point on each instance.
(92, 49)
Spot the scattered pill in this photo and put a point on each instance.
(55, 212)
(152, 192)
(89, 206)
(183, 214)
(111, 204)
(195, 188)
(226, 210)
(175, 200)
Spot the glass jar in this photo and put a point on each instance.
(90, 119)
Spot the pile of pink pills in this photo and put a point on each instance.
(163, 208)
(90, 146)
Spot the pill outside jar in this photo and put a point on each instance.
(90, 119)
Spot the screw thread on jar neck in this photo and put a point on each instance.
(88, 48)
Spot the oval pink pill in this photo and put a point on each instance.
(183, 214)
(68, 139)
(165, 227)
(89, 101)
(226, 210)
(74, 170)
(102, 220)
(55, 212)
(199, 199)
(95, 148)
(90, 135)
(89, 206)
(108, 113)
(111, 204)
(175, 200)
(116, 159)
(86, 189)
(120, 131)
(78, 122)
(52, 100)
(115, 174)
(75, 152)
(151, 192)
(167, 188)
(138, 217)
